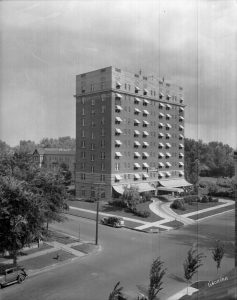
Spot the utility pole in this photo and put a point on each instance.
(98, 194)
(235, 195)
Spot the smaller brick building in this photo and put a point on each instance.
(52, 158)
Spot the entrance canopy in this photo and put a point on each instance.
(142, 187)
(170, 189)
(173, 183)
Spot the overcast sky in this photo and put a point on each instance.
(44, 44)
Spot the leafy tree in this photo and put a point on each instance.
(4, 148)
(53, 193)
(131, 197)
(65, 173)
(218, 253)
(62, 142)
(157, 272)
(117, 293)
(191, 264)
(21, 216)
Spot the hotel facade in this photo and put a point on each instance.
(129, 132)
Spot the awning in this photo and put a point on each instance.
(181, 98)
(161, 145)
(161, 164)
(118, 188)
(181, 172)
(161, 134)
(145, 144)
(168, 154)
(168, 105)
(118, 142)
(145, 133)
(118, 177)
(118, 83)
(145, 175)
(168, 125)
(136, 165)
(118, 107)
(161, 124)
(136, 132)
(146, 101)
(168, 116)
(145, 165)
(181, 118)
(161, 154)
(136, 121)
(137, 176)
(145, 91)
(118, 130)
(145, 112)
(137, 154)
(168, 174)
(175, 183)
(137, 99)
(181, 136)
(181, 163)
(168, 164)
(161, 104)
(145, 154)
(145, 122)
(136, 143)
(170, 189)
(137, 88)
(118, 119)
(181, 127)
(181, 145)
(161, 174)
(168, 135)
(181, 154)
(181, 109)
(118, 154)
(168, 96)
(168, 145)
(137, 110)
(118, 95)
(161, 94)
(145, 187)
(161, 115)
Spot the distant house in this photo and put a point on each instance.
(53, 158)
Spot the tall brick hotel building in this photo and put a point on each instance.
(129, 132)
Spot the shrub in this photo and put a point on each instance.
(146, 196)
(191, 198)
(118, 203)
(205, 199)
(178, 204)
(141, 213)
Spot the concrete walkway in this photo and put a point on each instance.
(183, 292)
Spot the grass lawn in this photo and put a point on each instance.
(195, 207)
(173, 224)
(61, 238)
(111, 209)
(85, 248)
(212, 212)
(46, 260)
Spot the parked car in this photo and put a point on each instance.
(112, 221)
(12, 275)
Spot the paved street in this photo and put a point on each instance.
(126, 256)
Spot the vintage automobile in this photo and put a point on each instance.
(112, 221)
(12, 275)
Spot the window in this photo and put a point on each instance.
(92, 169)
(92, 124)
(102, 143)
(102, 132)
(103, 121)
(92, 135)
(102, 155)
(102, 167)
(102, 109)
(83, 100)
(83, 176)
(102, 178)
(103, 97)
(92, 87)
(83, 145)
(82, 166)
(83, 154)
(92, 111)
(117, 166)
(83, 122)
(102, 85)
(83, 193)
(92, 157)
(83, 111)
(83, 133)
(92, 146)
(93, 102)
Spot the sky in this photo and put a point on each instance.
(44, 44)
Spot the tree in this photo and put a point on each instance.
(157, 272)
(191, 264)
(21, 216)
(218, 253)
(50, 188)
(65, 173)
(131, 197)
(117, 293)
